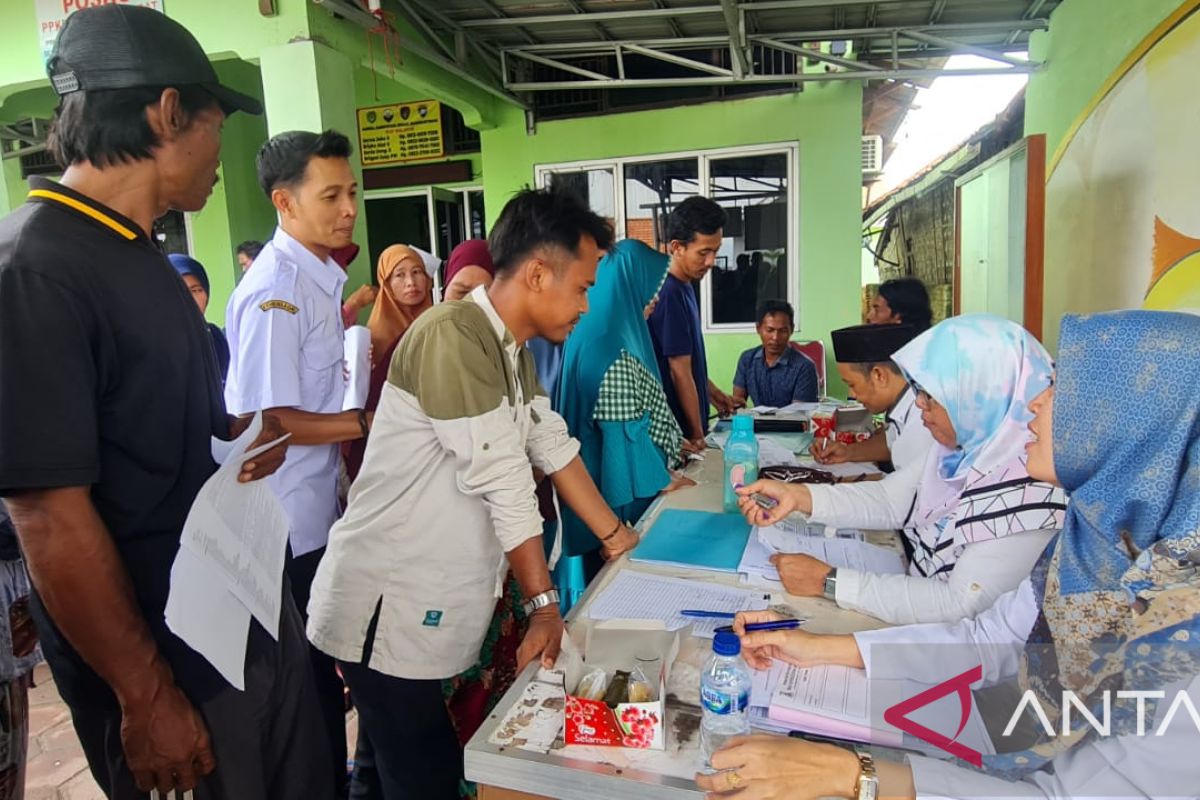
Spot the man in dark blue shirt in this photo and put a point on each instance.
(775, 374)
(694, 232)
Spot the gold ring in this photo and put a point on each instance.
(733, 779)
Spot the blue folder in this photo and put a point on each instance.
(697, 539)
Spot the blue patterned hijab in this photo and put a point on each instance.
(984, 370)
(1120, 589)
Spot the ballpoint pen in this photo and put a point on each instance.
(774, 625)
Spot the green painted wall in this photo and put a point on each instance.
(826, 121)
(237, 209)
(1087, 41)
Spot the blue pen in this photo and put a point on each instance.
(692, 612)
(776, 625)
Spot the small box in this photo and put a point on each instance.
(616, 645)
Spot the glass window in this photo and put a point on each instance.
(476, 220)
(752, 265)
(652, 190)
(596, 187)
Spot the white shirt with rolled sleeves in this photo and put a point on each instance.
(286, 343)
(1108, 767)
(445, 491)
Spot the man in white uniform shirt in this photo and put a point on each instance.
(286, 343)
(863, 354)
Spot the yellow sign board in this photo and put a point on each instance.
(399, 133)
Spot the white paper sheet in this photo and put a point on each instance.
(844, 552)
(805, 408)
(773, 454)
(240, 532)
(208, 617)
(637, 595)
(358, 367)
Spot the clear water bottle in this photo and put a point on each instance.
(741, 460)
(724, 695)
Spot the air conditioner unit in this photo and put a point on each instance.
(872, 156)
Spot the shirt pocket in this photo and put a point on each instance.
(321, 362)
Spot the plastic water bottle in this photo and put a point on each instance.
(741, 460)
(724, 695)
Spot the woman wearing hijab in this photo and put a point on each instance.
(196, 280)
(469, 266)
(973, 520)
(612, 398)
(405, 292)
(1113, 607)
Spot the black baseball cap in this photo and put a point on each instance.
(119, 46)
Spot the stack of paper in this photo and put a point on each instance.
(695, 539)
(835, 701)
(636, 595)
(840, 702)
(845, 550)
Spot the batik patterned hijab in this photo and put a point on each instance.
(1120, 590)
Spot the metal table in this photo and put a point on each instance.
(513, 774)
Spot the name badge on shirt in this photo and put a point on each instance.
(433, 618)
(282, 305)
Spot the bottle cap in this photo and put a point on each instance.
(743, 423)
(726, 643)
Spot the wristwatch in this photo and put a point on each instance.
(541, 601)
(830, 590)
(868, 781)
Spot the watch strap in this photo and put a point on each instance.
(540, 601)
(829, 591)
(868, 780)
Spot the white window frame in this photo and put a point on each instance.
(542, 173)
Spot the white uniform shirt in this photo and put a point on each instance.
(445, 491)
(908, 439)
(1117, 766)
(284, 325)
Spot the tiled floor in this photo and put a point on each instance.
(57, 769)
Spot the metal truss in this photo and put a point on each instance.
(897, 48)
(480, 50)
(23, 138)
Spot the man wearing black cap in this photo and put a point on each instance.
(109, 397)
(864, 360)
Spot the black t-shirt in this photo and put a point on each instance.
(107, 379)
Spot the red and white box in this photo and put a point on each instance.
(619, 645)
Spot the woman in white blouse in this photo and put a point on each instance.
(973, 520)
(1112, 608)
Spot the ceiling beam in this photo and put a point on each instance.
(593, 16)
(550, 62)
(1035, 8)
(813, 77)
(735, 21)
(1000, 29)
(815, 55)
(361, 18)
(982, 52)
(671, 58)
(416, 19)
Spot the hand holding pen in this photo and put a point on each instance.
(796, 646)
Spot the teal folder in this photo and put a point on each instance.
(696, 539)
